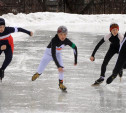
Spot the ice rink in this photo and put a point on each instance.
(18, 94)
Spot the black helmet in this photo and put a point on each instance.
(2, 21)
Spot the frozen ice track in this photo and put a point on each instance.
(18, 94)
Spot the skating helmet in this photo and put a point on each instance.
(114, 25)
(2, 21)
(62, 29)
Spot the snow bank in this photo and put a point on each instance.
(75, 22)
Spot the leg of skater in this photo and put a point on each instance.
(121, 71)
(116, 70)
(8, 59)
(61, 73)
(121, 61)
(44, 62)
(1, 72)
(107, 58)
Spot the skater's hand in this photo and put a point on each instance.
(3, 47)
(75, 64)
(60, 69)
(31, 33)
(92, 58)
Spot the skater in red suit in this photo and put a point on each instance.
(6, 43)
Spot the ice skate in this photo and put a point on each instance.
(99, 81)
(110, 79)
(120, 74)
(61, 86)
(35, 76)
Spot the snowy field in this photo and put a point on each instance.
(18, 94)
(74, 22)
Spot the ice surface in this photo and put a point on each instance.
(18, 94)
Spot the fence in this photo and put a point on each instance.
(69, 6)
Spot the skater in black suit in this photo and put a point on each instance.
(115, 38)
(121, 61)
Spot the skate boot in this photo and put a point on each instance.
(61, 86)
(110, 79)
(35, 76)
(99, 81)
(120, 74)
(1, 74)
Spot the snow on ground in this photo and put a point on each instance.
(74, 22)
